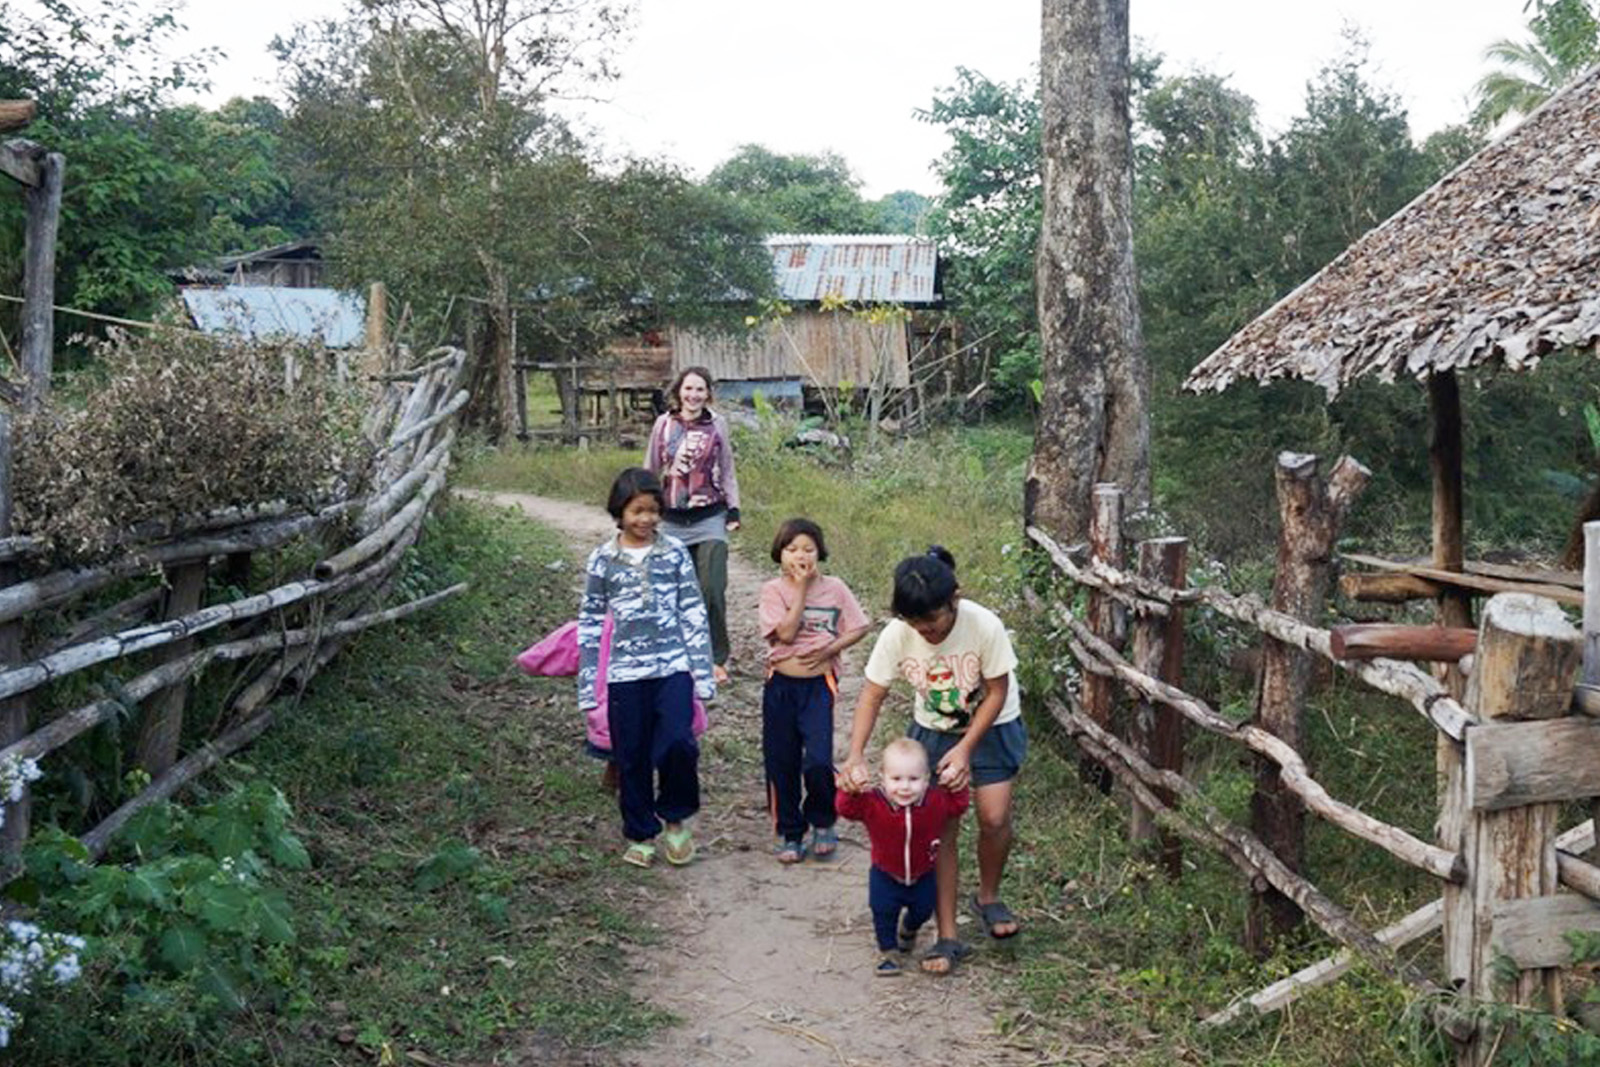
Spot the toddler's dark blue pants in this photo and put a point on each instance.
(888, 897)
(652, 738)
(797, 747)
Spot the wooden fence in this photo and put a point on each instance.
(290, 631)
(1509, 753)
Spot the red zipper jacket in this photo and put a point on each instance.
(904, 840)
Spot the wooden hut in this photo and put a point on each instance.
(1497, 263)
(815, 347)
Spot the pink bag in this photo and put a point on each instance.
(555, 655)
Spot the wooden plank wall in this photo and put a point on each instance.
(836, 347)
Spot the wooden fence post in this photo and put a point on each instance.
(162, 725)
(1312, 511)
(42, 211)
(1522, 679)
(1590, 674)
(1105, 619)
(1156, 728)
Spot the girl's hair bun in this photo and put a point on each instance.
(942, 554)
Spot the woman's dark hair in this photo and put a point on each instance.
(924, 584)
(673, 403)
(632, 482)
(793, 528)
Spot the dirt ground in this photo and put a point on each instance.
(773, 965)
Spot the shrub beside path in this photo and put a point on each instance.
(765, 964)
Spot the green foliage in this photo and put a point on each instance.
(498, 198)
(149, 187)
(988, 220)
(796, 193)
(182, 425)
(903, 211)
(183, 904)
(1566, 41)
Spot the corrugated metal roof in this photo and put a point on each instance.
(870, 268)
(272, 312)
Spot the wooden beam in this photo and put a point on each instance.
(1387, 588)
(1513, 764)
(1470, 582)
(1532, 933)
(15, 114)
(1371, 640)
(19, 161)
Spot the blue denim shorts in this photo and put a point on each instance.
(997, 758)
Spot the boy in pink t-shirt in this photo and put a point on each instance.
(807, 619)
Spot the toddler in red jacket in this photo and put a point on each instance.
(904, 819)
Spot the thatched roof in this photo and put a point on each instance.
(1498, 261)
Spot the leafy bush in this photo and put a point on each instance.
(183, 425)
(187, 913)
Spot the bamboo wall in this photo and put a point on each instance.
(817, 347)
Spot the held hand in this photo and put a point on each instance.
(955, 771)
(854, 777)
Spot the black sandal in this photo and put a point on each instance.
(947, 949)
(992, 915)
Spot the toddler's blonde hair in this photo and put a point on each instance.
(906, 746)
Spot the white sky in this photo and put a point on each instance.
(701, 77)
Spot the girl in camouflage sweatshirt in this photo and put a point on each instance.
(660, 659)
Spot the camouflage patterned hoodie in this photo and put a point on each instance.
(659, 617)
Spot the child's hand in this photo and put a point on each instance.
(955, 770)
(801, 574)
(854, 777)
(816, 657)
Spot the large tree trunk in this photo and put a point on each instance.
(493, 379)
(1094, 421)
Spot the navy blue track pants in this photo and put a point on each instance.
(797, 748)
(888, 897)
(652, 742)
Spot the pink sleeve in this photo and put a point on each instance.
(851, 617)
(773, 609)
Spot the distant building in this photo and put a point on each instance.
(810, 347)
(268, 313)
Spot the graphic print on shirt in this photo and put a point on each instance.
(950, 688)
(687, 456)
(815, 620)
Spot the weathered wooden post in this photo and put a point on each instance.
(1526, 754)
(1312, 511)
(40, 173)
(162, 725)
(1590, 674)
(1105, 619)
(1157, 730)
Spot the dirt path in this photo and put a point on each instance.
(766, 964)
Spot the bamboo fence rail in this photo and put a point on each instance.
(410, 424)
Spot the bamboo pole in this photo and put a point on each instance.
(371, 544)
(64, 728)
(1589, 675)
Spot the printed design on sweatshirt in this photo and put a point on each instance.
(949, 687)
